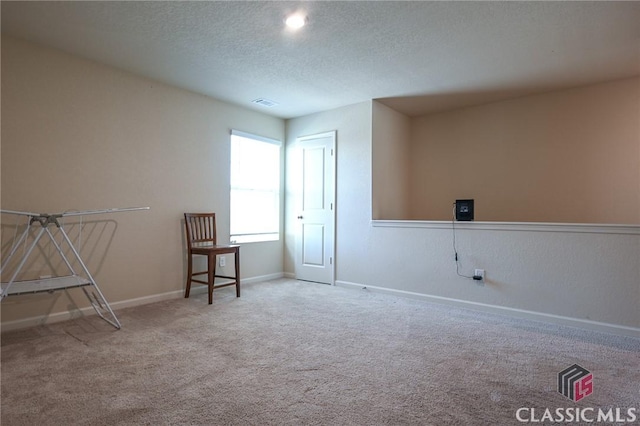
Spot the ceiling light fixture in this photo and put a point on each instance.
(296, 21)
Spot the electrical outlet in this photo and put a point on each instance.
(222, 261)
(479, 273)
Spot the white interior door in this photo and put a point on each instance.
(315, 210)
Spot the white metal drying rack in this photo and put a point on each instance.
(13, 287)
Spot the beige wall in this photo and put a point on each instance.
(79, 135)
(571, 156)
(391, 157)
(353, 181)
(584, 279)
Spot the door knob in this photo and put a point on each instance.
(299, 217)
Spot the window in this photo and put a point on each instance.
(255, 188)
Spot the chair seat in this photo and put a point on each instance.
(206, 248)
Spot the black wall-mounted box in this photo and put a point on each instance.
(464, 210)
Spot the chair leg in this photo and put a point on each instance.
(189, 272)
(237, 261)
(211, 268)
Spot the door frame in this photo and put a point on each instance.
(299, 143)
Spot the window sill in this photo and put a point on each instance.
(244, 239)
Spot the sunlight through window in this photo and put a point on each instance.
(255, 188)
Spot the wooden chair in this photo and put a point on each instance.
(201, 240)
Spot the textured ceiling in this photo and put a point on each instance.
(417, 57)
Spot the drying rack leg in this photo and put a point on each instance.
(5, 291)
(6, 261)
(59, 250)
(97, 300)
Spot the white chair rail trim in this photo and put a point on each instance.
(589, 228)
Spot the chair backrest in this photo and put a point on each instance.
(201, 228)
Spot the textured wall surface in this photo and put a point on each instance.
(589, 280)
(391, 157)
(570, 156)
(79, 135)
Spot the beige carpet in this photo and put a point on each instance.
(296, 353)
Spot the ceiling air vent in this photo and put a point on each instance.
(264, 102)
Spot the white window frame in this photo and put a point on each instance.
(273, 233)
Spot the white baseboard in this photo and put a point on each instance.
(502, 310)
(138, 301)
(262, 278)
